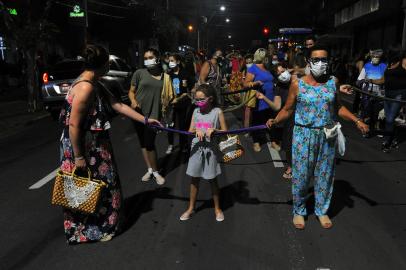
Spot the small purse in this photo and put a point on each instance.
(77, 193)
(231, 148)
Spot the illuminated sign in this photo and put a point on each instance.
(12, 11)
(77, 12)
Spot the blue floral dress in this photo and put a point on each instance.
(312, 154)
(102, 225)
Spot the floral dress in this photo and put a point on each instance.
(312, 154)
(102, 225)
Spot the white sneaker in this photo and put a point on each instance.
(158, 178)
(169, 150)
(146, 177)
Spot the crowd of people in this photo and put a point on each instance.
(295, 94)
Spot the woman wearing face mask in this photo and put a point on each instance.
(395, 88)
(249, 96)
(258, 77)
(211, 73)
(313, 98)
(150, 94)
(282, 88)
(182, 83)
(372, 79)
(85, 144)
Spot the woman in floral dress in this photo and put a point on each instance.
(85, 143)
(314, 100)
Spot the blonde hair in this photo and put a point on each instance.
(260, 55)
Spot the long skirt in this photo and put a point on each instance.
(102, 225)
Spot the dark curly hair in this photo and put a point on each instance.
(95, 57)
(208, 91)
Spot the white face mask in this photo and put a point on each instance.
(172, 64)
(285, 77)
(318, 69)
(249, 65)
(375, 60)
(150, 63)
(275, 62)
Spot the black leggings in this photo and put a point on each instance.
(146, 135)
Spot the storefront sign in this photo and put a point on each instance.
(77, 12)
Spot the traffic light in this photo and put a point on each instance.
(265, 30)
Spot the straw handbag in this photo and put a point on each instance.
(231, 148)
(77, 193)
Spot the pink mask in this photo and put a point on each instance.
(202, 104)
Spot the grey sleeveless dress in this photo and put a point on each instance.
(203, 159)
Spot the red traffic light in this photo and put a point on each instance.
(265, 31)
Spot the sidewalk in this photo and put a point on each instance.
(14, 117)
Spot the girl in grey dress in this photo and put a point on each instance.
(207, 118)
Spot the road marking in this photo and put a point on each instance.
(44, 180)
(275, 157)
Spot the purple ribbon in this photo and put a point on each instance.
(217, 133)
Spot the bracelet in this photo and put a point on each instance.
(146, 120)
(358, 120)
(79, 158)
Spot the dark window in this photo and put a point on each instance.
(123, 65)
(114, 65)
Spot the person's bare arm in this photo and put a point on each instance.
(275, 104)
(82, 96)
(130, 113)
(288, 109)
(223, 125)
(131, 95)
(249, 81)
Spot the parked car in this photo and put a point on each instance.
(58, 79)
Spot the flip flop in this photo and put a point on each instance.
(220, 217)
(299, 222)
(325, 222)
(186, 216)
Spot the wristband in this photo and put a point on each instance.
(146, 120)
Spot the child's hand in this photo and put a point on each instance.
(200, 135)
(260, 95)
(209, 132)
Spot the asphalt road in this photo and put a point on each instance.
(368, 212)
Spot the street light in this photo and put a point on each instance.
(190, 28)
(229, 36)
(227, 20)
(222, 8)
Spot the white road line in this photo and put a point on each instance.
(275, 157)
(44, 180)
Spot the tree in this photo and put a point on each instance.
(30, 30)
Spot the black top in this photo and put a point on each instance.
(178, 82)
(395, 79)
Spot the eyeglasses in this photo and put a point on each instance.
(315, 60)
